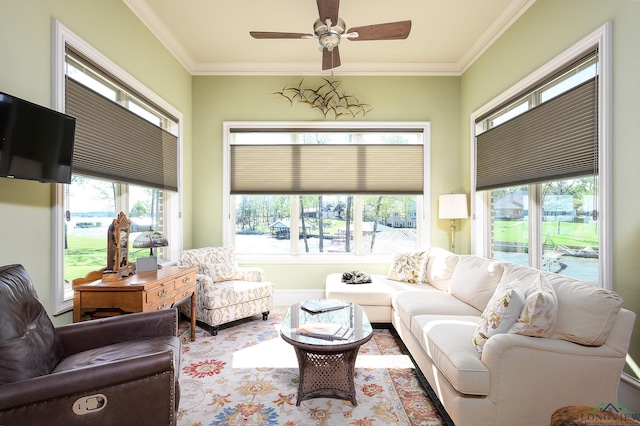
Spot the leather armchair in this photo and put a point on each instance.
(113, 371)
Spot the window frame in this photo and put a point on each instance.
(61, 299)
(480, 200)
(423, 204)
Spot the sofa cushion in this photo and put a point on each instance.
(121, 352)
(475, 279)
(407, 266)
(538, 315)
(586, 312)
(408, 304)
(228, 293)
(222, 271)
(439, 267)
(447, 341)
(501, 313)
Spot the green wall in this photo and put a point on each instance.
(25, 49)
(545, 30)
(217, 99)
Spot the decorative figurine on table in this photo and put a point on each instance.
(118, 250)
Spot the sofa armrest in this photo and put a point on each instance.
(500, 344)
(552, 372)
(255, 275)
(82, 336)
(54, 395)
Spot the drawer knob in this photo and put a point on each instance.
(162, 293)
(186, 280)
(187, 293)
(163, 306)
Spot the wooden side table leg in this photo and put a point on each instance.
(193, 316)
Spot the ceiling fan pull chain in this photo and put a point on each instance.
(332, 63)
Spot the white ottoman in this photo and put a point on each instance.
(374, 297)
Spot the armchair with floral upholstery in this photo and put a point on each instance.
(226, 292)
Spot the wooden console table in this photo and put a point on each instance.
(142, 292)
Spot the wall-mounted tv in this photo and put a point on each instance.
(36, 143)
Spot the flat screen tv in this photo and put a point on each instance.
(36, 143)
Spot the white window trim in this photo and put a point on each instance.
(600, 38)
(62, 36)
(424, 207)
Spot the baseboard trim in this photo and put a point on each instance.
(630, 381)
(629, 393)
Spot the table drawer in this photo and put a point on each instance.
(185, 286)
(161, 294)
(185, 282)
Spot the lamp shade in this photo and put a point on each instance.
(150, 239)
(453, 206)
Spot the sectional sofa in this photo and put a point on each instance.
(499, 343)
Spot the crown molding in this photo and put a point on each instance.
(150, 19)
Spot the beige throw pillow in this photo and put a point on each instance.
(538, 316)
(501, 313)
(407, 266)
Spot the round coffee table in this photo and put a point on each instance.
(327, 365)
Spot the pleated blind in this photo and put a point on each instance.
(555, 140)
(327, 169)
(114, 143)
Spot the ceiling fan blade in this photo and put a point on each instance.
(276, 35)
(389, 31)
(330, 59)
(328, 9)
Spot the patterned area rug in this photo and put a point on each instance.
(248, 375)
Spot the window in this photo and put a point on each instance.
(339, 190)
(116, 115)
(541, 168)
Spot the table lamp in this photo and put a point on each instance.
(149, 239)
(453, 206)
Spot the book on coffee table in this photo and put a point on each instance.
(322, 305)
(323, 330)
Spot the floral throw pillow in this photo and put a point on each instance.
(407, 266)
(502, 311)
(538, 316)
(224, 271)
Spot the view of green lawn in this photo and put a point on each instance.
(575, 235)
(85, 254)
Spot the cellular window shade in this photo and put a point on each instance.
(114, 143)
(327, 169)
(555, 140)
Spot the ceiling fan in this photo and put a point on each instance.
(329, 29)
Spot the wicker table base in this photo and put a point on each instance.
(327, 374)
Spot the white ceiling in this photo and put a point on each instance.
(211, 37)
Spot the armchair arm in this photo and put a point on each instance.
(82, 336)
(122, 387)
(250, 274)
(83, 380)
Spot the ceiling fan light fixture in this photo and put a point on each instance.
(329, 35)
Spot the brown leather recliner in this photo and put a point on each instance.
(114, 371)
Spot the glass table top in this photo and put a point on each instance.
(351, 319)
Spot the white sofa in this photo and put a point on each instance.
(516, 378)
